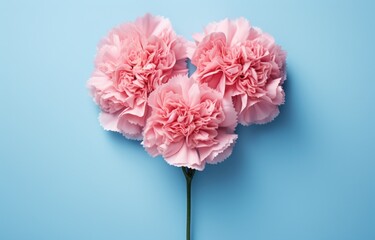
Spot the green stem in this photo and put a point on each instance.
(189, 174)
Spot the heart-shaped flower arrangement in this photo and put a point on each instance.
(141, 85)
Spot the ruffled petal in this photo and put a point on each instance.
(186, 157)
(109, 121)
(259, 113)
(153, 25)
(129, 129)
(230, 120)
(221, 150)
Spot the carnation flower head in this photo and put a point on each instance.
(133, 60)
(190, 125)
(244, 64)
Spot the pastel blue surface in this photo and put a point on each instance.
(308, 175)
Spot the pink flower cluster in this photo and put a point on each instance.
(190, 125)
(244, 64)
(141, 85)
(133, 60)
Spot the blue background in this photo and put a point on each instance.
(310, 174)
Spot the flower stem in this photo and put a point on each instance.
(189, 174)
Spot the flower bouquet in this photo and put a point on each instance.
(141, 84)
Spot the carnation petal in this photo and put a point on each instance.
(221, 150)
(129, 129)
(236, 31)
(272, 88)
(186, 157)
(242, 27)
(259, 113)
(173, 148)
(194, 95)
(153, 25)
(109, 121)
(230, 119)
(190, 49)
(98, 81)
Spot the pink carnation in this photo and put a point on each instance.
(243, 63)
(190, 124)
(131, 62)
